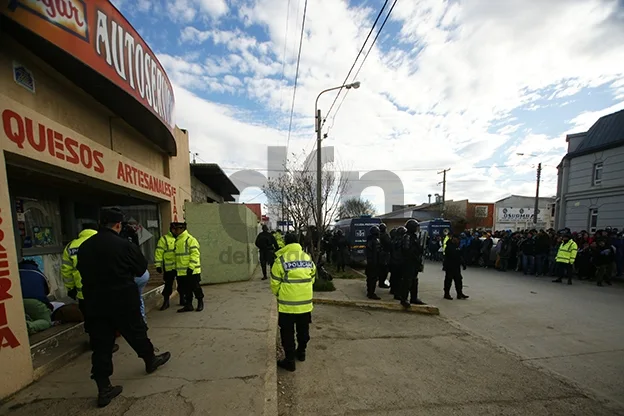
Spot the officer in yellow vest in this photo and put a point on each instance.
(292, 279)
(188, 267)
(278, 237)
(165, 259)
(566, 255)
(71, 275)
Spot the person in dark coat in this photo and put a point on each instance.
(396, 263)
(342, 249)
(453, 263)
(373, 262)
(412, 264)
(108, 265)
(386, 249)
(267, 246)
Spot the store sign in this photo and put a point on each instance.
(32, 135)
(7, 337)
(98, 35)
(518, 215)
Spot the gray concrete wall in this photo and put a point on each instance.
(201, 192)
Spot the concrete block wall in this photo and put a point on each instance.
(226, 234)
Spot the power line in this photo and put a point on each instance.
(292, 107)
(356, 58)
(369, 170)
(284, 59)
(364, 60)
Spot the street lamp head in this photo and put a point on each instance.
(355, 85)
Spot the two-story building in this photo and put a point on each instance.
(590, 187)
(86, 115)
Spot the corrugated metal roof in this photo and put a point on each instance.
(608, 131)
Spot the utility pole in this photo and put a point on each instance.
(443, 190)
(282, 215)
(537, 184)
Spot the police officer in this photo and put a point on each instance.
(386, 249)
(164, 257)
(566, 255)
(412, 263)
(188, 267)
(277, 234)
(267, 246)
(373, 262)
(292, 280)
(108, 265)
(453, 261)
(71, 275)
(396, 262)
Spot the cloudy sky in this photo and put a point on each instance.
(460, 84)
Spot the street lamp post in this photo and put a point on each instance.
(318, 126)
(537, 186)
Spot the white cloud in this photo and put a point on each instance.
(585, 120)
(429, 96)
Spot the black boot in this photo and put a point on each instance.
(182, 300)
(569, 281)
(301, 355)
(187, 308)
(405, 304)
(373, 296)
(417, 302)
(165, 304)
(448, 296)
(462, 296)
(288, 365)
(151, 364)
(200, 305)
(106, 392)
(557, 280)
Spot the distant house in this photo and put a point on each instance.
(210, 184)
(590, 186)
(516, 213)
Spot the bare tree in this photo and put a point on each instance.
(355, 207)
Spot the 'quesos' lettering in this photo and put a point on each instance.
(24, 132)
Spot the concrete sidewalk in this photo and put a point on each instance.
(223, 363)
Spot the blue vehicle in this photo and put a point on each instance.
(435, 227)
(356, 231)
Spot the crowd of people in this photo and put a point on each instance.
(598, 256)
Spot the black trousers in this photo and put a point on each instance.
(383, 273)
(266, 257)
(288, 322)
(102, 331)
(169, 277)
(453, 276)
(372, 275)
(83, 309)
(409, 284)
(564, 270)
(341, 259)
(395, 279)
(190, 286)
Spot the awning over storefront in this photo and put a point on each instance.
(211, 175)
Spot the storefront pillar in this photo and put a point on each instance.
(16, 370)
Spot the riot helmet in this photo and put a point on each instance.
(382, 227)
(374, 230)
(412, 225)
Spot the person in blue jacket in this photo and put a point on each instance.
(34, 283)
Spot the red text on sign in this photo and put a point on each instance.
(7, 337)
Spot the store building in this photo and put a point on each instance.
(87, 122)
(516, 213)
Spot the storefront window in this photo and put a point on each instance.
(38, 223)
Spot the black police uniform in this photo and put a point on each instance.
(412, 252)
(453, 262)
(373, 262)
(342, 248)
(396, 263)
(108, 265)
(267, 245)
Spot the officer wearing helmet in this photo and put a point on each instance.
(396, 262)
(373, 261)
(412, 264)
(386, 248)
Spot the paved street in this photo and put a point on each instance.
(371, 362)
(576, 331)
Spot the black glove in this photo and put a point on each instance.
(464, 267)
(189, 272)
(159, 269)
(73, 293)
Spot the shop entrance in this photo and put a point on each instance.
(49, 207)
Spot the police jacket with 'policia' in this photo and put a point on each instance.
(108, 265)
(71, 275)
(292, 279)
(164, 255)
(187, 255)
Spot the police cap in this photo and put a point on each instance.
(111, 216)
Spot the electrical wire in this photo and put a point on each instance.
(284, 59)
(363, 61)
(292, 107)
(369, 170)
(356, 59)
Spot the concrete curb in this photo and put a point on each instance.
(270, 377)
(420, 309)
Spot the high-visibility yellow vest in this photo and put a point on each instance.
(446, 239)
(71, 275)
(567, 252)
(279, 239)
(187, 254)
(292, 279)
(164, 256)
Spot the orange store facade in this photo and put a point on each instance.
(86, 121)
